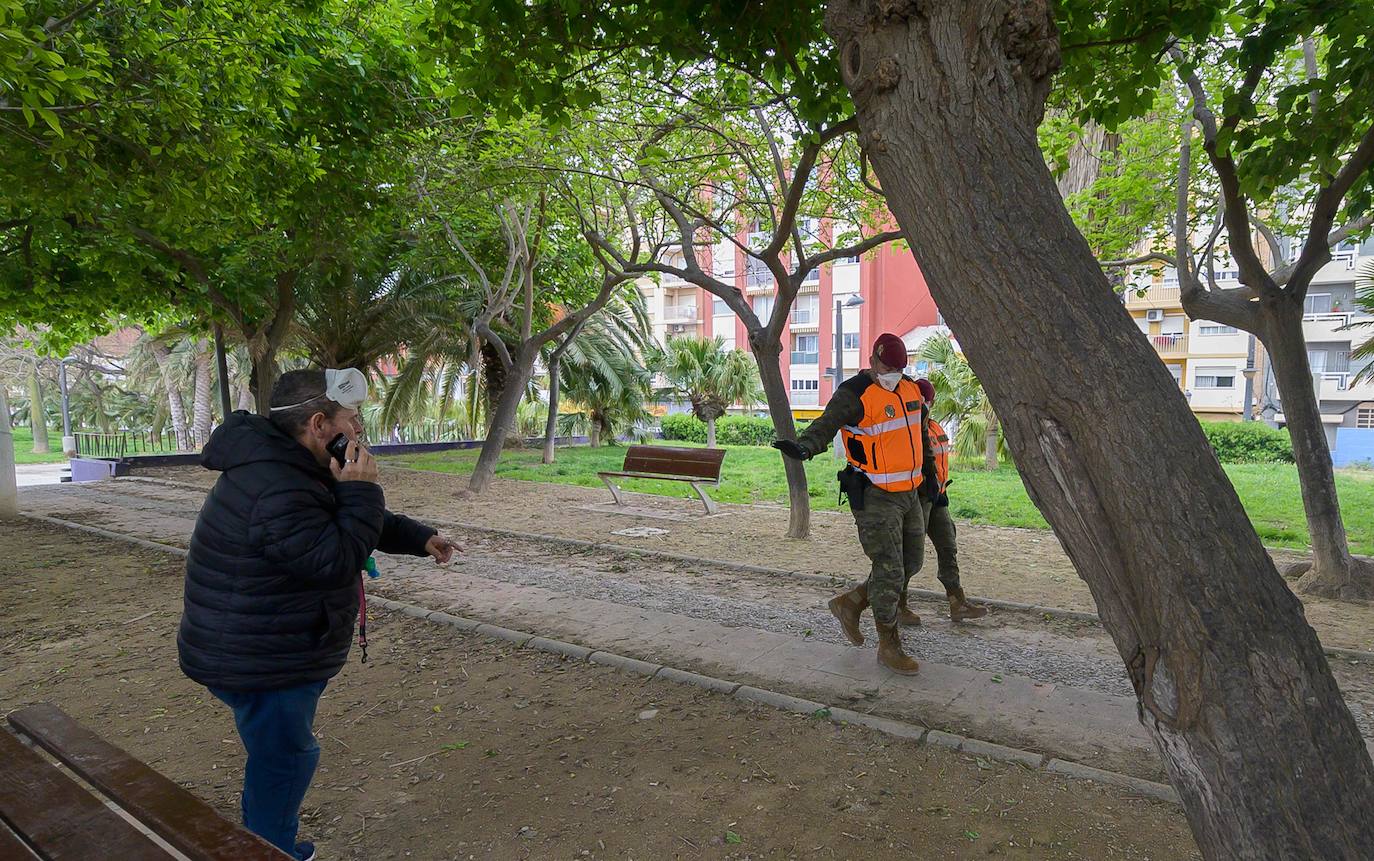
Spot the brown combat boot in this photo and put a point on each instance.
(960, 609)
(905, 617)
(890, 652)
(847, 608)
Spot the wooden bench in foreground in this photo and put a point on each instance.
(699, 467)
(44, 813)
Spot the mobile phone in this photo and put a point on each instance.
(338, 447)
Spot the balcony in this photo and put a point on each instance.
(1155, 296)
(809, 398)
(679, 313)
(803, 358)
(1170, 346)
(1326, 326)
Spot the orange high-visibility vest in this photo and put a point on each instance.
(886, 444)
(940, 447)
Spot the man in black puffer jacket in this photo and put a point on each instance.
(274, 579)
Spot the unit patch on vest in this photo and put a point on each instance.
(891, 413)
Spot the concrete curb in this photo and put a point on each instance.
(746, 693)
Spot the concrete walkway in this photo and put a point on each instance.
(32, 474)
(1066, 698)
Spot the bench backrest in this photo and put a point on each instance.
(703, 463)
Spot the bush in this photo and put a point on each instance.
(1248, 442)
(683, 426)
(744, 430)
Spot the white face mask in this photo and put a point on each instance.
(890, 381)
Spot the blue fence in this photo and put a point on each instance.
(1354, 446)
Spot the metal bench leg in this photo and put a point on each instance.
(615, 491)
(711, 506)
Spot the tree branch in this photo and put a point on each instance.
(1316, 251)
(1136, 261)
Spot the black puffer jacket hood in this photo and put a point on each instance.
(273, 575)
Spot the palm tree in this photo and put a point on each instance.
(708, 376)
(611, 398)
(619, 332)
(1364, 300)
(961, 402)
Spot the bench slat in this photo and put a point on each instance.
(55, 814)
(168, 810)
(12, 848)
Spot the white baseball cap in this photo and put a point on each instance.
(346, 387)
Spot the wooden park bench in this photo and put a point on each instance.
(699, 467)
(45, 813)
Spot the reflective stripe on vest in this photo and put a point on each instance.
(885, 444)
(941, 448)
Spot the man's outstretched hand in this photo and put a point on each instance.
(791, 449)
(441, 548)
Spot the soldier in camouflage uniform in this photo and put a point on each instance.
(881, 416)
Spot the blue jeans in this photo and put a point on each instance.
(282, 755)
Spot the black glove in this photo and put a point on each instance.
(943, 501)
(791, 449)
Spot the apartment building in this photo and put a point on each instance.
(1208, 360)
(858, 298)
(1347, 407)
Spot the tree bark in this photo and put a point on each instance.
(38, 414)
(9, 493)
(1232, 683)
(768, 356)
(551, 423)
(711, 432)
(1333, 573)
(175, 408)
(201, 408)
(503, 418)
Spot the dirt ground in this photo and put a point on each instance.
(1025, 565)
(450, 746)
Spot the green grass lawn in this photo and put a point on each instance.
(754, 474)
(23, 447)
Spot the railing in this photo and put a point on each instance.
(126, 443)
(1154, 296)
(1170, 345)
(679, 313)
(807, 398)
(803, 358)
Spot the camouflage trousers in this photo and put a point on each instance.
(892, 532)
(940, 530)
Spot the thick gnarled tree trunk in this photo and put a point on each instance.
(1232, 682)
(503, 414)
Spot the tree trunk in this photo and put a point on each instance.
(593, 432)
(38, 414)
(264, 377)
(1334, 573)
(711, 431)
(9, 493)
(990, 441)
(201, 407)
(768, 356)
(1231, 681)
(551, 423)
(175, 408)
(503, 419)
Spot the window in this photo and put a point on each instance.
(1317, 303)
(1365, 417)
(848, 260)
(1216, 329)
(805, 349)
(756, 273)
(763, 307)
(806, 385)
(807, 311)
(851, 341)
(813, 277)
(1216, 378)
(719, 308)
(727, 344)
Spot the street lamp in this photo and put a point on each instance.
(68, 441)
(854, 301)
